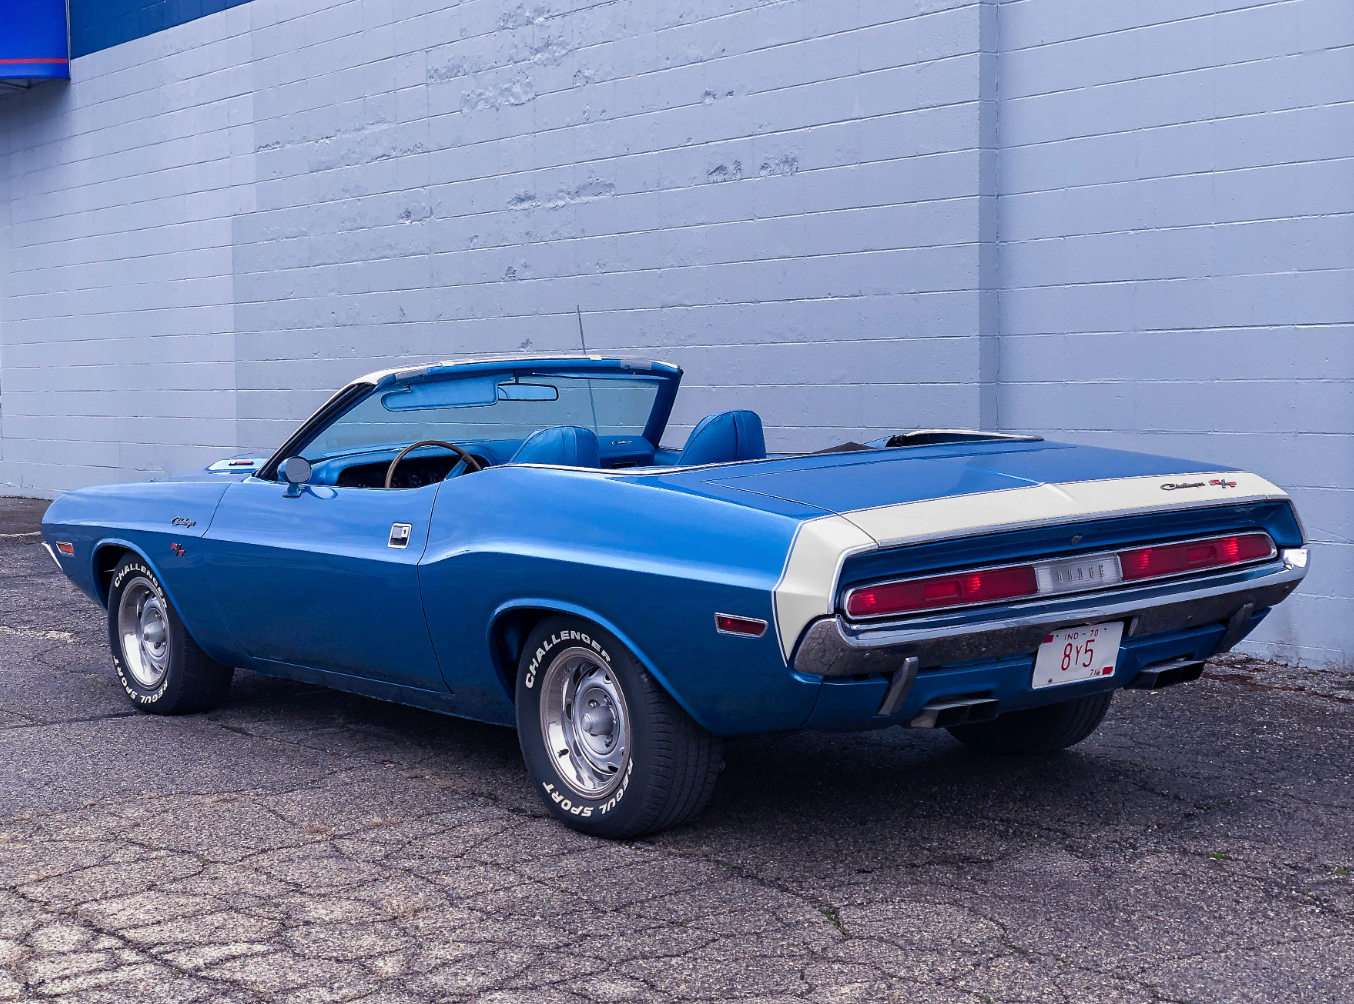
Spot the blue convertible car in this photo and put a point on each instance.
(508, 540)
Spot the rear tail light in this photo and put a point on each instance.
(1173, 559)
(989, 585)
(984, 586)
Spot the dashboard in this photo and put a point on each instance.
(368, 470)
(413, 472)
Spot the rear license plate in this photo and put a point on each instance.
(1074, 655)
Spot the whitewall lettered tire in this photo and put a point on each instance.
(610, 752)
(160, 666)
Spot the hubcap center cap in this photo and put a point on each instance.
(153, 633)
(598, 721)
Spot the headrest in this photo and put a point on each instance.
(730, 435)
(564, 445)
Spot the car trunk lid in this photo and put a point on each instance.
(906, 495)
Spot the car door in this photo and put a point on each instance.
(327, 578)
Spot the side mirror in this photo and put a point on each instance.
(296, 472)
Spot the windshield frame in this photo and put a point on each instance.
(667, 376)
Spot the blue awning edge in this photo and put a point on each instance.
(34, 44)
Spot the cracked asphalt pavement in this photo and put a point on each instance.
(299, 844)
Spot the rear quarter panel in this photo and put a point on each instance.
(650, 564)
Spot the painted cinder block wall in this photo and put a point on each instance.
(1119, 223)
(1176, 223)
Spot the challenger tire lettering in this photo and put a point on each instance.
(160, 665)
(136, 568)
(554, 640)
(588, 721)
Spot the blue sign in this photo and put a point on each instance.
(33, 40)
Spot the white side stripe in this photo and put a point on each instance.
(809, 581)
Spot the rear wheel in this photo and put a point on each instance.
(160, 666)
(1037, 730)
(610, 752)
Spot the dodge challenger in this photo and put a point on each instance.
(510, 540)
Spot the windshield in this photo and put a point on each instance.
(488, 407)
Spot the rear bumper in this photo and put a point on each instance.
(833, 647)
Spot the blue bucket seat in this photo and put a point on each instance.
(729, 435)
(565, 445)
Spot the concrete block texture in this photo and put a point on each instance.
(1176, 226)
(1122, 223)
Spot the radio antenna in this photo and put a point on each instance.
(592, 401)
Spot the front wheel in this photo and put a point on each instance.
(610, 752)
(158, 663)
(1037, 730)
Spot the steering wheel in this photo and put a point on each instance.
(466, 458)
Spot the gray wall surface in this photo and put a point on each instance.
(1124, 223)
(1176, 227)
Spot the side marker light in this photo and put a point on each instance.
(744, 627)
(65, 547)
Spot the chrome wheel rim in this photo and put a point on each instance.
(584, 722)
(143, 629)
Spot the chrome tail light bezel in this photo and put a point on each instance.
(1040, 567)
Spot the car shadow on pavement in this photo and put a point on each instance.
(851, 790)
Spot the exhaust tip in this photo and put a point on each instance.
(1167, 674)
(958, 709)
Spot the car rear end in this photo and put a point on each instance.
(950, 631)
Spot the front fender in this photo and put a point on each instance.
(101, 547)
(163, 518)
(209, 640)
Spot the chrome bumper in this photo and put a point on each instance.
(832, 646)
